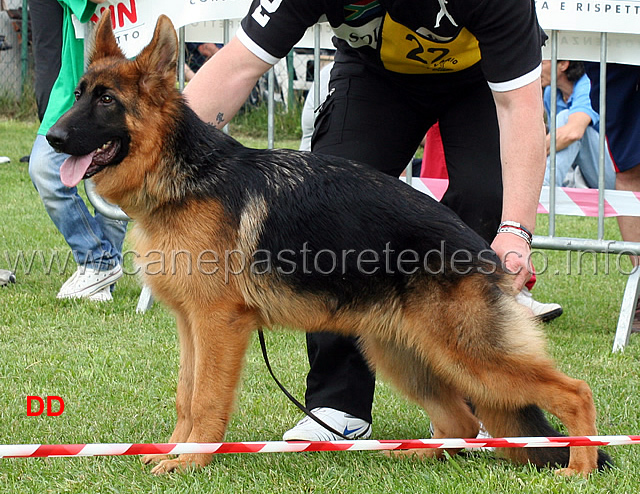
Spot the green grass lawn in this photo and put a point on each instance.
(116, 371)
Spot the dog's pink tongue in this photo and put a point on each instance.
(73, 169)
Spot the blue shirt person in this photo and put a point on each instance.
(577, 129)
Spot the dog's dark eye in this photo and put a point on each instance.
(77, 94)
(106, 99)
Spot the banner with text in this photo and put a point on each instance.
(608, 16)
(133, 22)
(581, 45)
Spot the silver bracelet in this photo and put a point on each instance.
(516, 229)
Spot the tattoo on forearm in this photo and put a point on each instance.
(219, 118)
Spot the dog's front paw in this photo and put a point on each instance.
(570, 472)
(147, 459)
(414, 453)
(182, 463)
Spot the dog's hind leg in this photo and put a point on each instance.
(447, 408)
(220, 339)
(548, 389)
(501, 364)
(184, 390)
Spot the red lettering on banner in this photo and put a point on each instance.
(130, 12)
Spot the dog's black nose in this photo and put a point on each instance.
(57, 137)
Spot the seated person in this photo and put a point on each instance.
(577, 129)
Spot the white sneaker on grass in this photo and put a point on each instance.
(543, 312)
(483, 434)
(309, 430)
(90, 283)
(103, 295)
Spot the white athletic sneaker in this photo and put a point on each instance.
(86, 282)
(483, 434)
(6, 277)
(103, 295)
(543, 312)
(309, 430)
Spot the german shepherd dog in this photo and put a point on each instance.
(295, 240)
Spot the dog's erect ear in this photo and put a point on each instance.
(158, 61)
(105, 44)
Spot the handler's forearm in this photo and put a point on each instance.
(522, 143)
(224, 82)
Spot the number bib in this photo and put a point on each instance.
(405, 51)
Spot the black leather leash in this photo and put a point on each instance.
(306, 411)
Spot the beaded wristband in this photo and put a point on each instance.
(516, 229)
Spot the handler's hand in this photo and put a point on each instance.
(515, 254)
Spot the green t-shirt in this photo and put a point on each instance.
(72, 62)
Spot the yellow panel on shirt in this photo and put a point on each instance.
(405, 51)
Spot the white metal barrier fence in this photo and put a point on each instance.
(599, 244)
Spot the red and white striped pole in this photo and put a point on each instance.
(124, 449)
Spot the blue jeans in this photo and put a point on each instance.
(584, 154)
(96, 241)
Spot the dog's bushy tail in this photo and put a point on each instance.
(530, 421)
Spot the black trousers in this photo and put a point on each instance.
(380, 121)
(46, 26)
